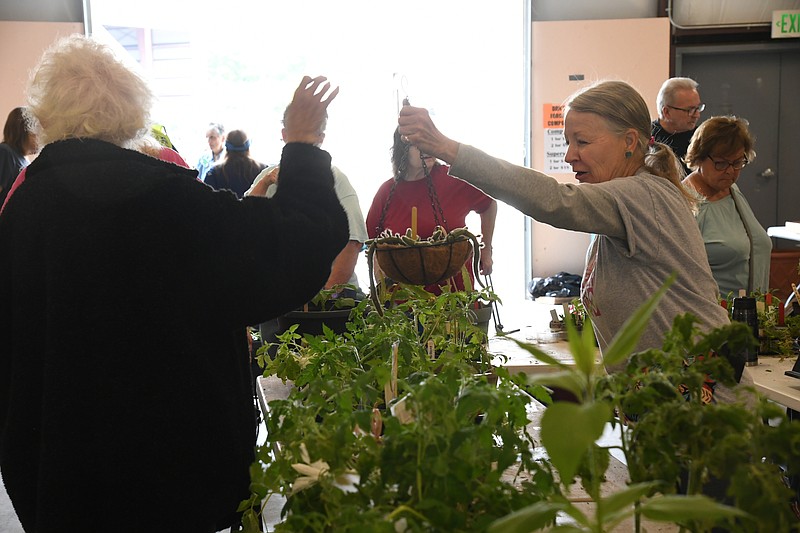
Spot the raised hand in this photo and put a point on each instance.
(306, 113)
(417, 128)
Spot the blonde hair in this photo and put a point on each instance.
(623, 108)
(81, 90)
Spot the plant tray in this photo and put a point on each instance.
(423, 265)
(311, 321)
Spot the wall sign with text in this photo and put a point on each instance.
(555, 146)
(785, 24)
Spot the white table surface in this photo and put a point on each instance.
(532, 318)
(770, 380)
(508, 354)
(782, 233)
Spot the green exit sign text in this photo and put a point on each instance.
(785, 24)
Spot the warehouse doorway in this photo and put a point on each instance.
(759, 83)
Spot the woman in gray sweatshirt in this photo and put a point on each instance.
(628, 195)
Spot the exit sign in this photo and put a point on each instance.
(785, 24)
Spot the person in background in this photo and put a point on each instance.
(126, 286)
(238, 170)
(628, 195)
(440, 199)
(158, 144)
(215, 135)
(343, 268)
(679, 108)
(159, 133)
(738, 247)
(19, 144)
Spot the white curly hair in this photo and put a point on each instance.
(81, 90)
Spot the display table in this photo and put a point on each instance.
(770, 380)
(532, 318)
(782, 232)
(768, 376)
(508, 354)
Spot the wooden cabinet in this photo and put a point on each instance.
(783, 271)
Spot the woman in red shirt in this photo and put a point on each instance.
(440, 199)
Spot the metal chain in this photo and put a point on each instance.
(436, 205)
(402, 166)
(379, 229)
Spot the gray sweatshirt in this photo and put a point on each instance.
(643, 230)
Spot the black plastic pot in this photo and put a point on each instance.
(311, 321)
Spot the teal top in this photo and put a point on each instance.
(725, 234)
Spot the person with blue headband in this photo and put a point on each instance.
(238, 170)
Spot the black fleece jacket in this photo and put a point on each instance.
(125, 287)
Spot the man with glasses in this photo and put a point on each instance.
(679, 109)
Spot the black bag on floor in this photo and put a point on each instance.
(563, 285)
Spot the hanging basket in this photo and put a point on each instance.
(407, 259)
(423, 265)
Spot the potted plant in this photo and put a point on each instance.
(331, 307)
(778, 333)
(351, 462)
(413, 261)
(346, 451)
(671, 440)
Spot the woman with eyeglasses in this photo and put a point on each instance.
(737, 245)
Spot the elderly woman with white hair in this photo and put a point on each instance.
(125, 386)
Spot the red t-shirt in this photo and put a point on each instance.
(457, 198)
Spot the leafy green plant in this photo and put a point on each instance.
(775, 338)
(676, 438)
(577, 313)
(449, 453)
(428, 331)
(443, 470)
(337, 297)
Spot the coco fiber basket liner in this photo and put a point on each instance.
(423, 265)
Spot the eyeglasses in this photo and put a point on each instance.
(723, 164)
(690, 110)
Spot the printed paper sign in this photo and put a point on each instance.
(555, 147)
